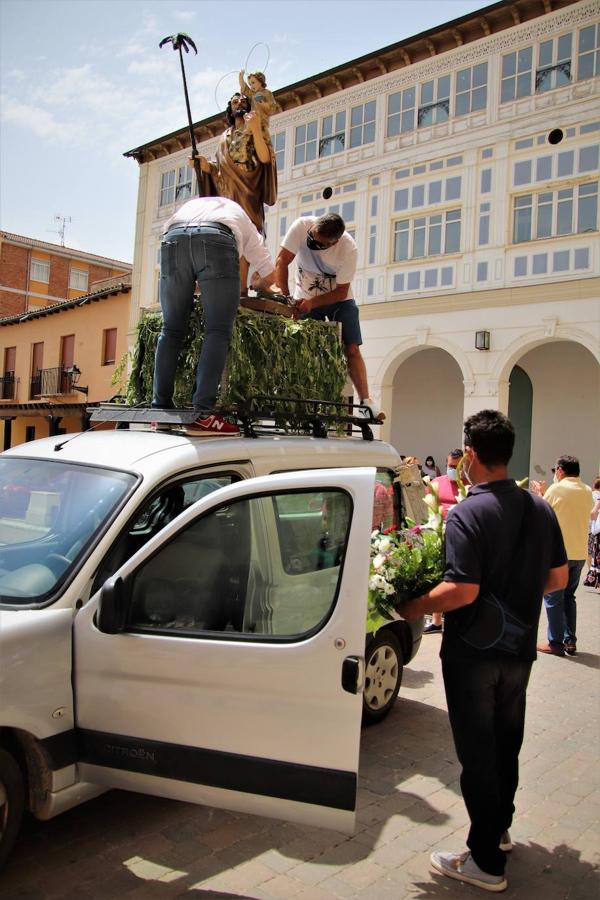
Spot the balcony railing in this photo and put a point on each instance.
(47, 382)
(7, 386)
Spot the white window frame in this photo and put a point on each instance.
(428, 228)
(40, 270)
(307, 146)
(333, 134)
(405, 115)
(78, 279)
(550, 75)
(184, 186)
(593, 52)
(554, 200)
(363, 124)
(522, 76)
(439, 104)
(279, 150)
(167, 188)
(466, 87)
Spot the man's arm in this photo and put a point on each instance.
(444, 597)
(282, 265)
(260, 145)
(557, 579)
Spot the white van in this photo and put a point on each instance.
(186, 617)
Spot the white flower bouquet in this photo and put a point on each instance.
(405, 563)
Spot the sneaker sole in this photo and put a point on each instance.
(468, 879)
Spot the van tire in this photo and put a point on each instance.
(384, 666)
(12, 803)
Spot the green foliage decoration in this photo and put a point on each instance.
(270, 355)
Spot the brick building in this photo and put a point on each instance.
(59, 359)
(35, 274)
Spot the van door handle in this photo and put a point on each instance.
(352, 677)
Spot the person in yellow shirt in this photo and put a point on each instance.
(572, 502)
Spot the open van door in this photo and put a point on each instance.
(201, 676)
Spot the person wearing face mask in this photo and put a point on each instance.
(500, 539)
(326, 258)
(430, 468)
(448, 495)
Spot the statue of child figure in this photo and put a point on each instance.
(262, 100)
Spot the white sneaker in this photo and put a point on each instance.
(367, 405)
(462, 867)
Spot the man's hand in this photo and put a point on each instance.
(252, 121)
(204, 163)
(407, 610)
(538, 487)
(305, 306)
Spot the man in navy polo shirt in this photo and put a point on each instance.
(485, 689)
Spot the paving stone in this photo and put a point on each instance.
(133, 846)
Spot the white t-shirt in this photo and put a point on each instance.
(250, 243)
(319, 271)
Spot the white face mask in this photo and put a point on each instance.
(451, 473)
(466, 471)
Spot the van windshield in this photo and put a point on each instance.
(50, 512)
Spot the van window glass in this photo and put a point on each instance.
(267, 566)
(49, 513)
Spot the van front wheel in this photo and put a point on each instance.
(12, 801)
(384, 665)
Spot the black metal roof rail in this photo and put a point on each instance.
(259, 415)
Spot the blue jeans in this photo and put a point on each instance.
(561, 608)
(486, 708)
(208, 255)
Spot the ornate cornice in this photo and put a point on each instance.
(496, 29)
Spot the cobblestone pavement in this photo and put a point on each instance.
(132, 846)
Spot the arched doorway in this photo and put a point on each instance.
(565, 410)
(427, 405)
(520, 409)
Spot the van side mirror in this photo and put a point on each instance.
(113, 605)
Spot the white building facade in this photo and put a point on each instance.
(466, 165)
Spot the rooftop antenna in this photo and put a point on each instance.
(64, 221)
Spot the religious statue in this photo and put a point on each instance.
(244, 167)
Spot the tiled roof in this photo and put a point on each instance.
(64, 251)
(117, 288)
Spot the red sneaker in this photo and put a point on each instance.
(213, 426)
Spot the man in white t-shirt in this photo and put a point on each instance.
(325, 257)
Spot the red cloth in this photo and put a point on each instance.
(448, 493)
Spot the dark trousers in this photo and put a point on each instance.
(486, 707)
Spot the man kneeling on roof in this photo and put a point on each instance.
(203, 242)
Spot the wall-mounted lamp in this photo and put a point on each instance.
(482, 340)
(74, 372)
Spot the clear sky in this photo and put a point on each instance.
(82, 81)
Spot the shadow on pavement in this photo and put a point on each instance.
(415, 678)
(532, 871)
(591, 660)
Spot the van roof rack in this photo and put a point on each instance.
(256, 416)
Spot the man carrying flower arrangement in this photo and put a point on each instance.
(504, 550)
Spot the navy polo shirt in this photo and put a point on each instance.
(481, 548)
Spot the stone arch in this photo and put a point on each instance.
(406, 348)
(529, 341)
(564, 372)
(425, 402)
